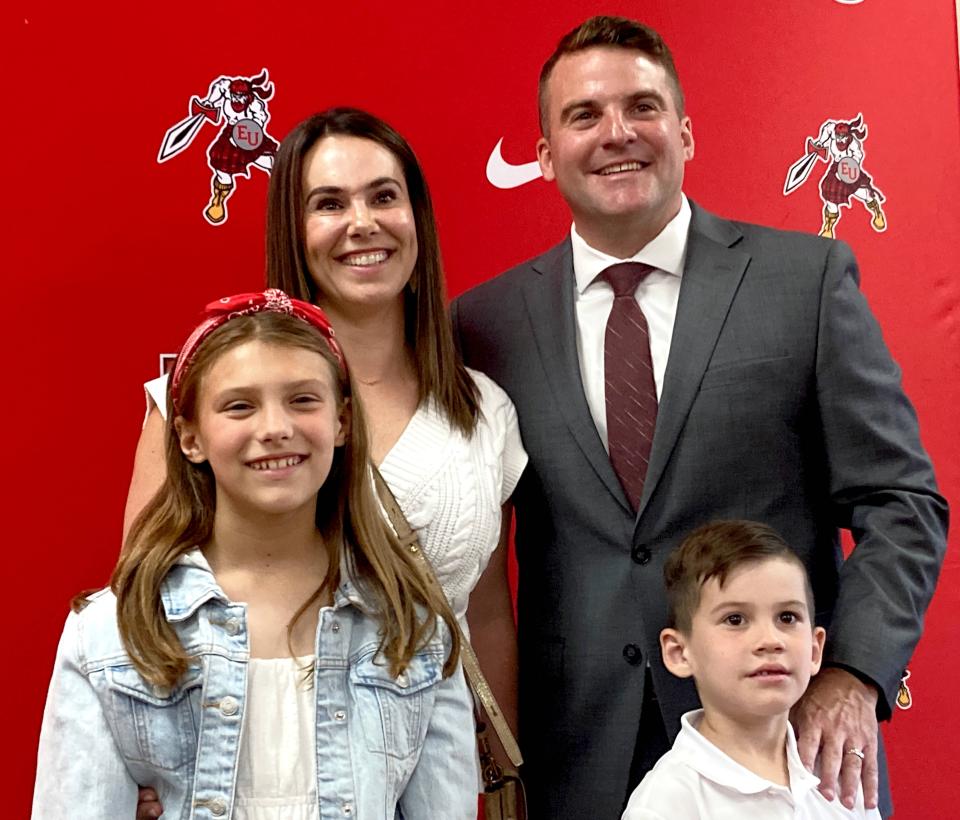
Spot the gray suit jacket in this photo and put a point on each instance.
(780, 404)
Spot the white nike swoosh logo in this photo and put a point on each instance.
(501, 174)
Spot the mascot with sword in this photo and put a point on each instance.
(841, 144)
(240, 104)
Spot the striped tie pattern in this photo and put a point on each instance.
(631, 393)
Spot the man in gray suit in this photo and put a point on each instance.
(775, 400)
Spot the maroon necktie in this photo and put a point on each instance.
(628, 375)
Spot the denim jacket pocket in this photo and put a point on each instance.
(155, 725)
(392, 710)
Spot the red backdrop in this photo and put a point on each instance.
(111, 257)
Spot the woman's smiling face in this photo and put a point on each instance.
(359, 231)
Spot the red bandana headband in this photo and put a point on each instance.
(218, 313)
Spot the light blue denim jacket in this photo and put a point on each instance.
(387, 748)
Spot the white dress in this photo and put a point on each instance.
(451, 488)
(276, 775)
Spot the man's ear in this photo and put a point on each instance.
(686, 137)
(190, 444)
(545, 158)
(343, 419)
(673, 647)
(819, 637)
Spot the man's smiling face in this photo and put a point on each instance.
(615, 142)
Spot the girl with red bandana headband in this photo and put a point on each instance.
(263, 624)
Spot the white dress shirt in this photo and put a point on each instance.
(657, 296)
(696, 780)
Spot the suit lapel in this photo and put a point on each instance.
(711, 276)
(549, 302)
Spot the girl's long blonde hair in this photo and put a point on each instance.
(180, 517)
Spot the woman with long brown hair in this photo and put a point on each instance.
(350, 227)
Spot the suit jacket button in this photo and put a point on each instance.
(640, 555)
(632, 654)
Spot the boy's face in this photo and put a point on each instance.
(751, 648)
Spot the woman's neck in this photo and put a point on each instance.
(374, 343)
(383, 369)
(759, 745)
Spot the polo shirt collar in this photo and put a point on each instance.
(718, 767)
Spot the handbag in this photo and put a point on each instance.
(504, 795)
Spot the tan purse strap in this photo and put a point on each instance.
(408, 538)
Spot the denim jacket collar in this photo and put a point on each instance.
(195, 585)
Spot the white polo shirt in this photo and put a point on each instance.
(697, 780)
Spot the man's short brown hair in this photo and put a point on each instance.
(618, 32)
(714, 551)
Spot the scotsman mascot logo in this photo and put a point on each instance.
(840, 144)
(239, 104)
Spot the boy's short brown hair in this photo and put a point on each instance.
(714, 551)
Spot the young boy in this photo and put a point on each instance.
(742, 627)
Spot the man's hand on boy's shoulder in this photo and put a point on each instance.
(837, 715)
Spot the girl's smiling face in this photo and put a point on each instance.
(268, 419)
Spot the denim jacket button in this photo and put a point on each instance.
(335, 626)
(218, 807)
(402, 680)
(232, 626)
(348, 808)
(229, 706)
(339, 715)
